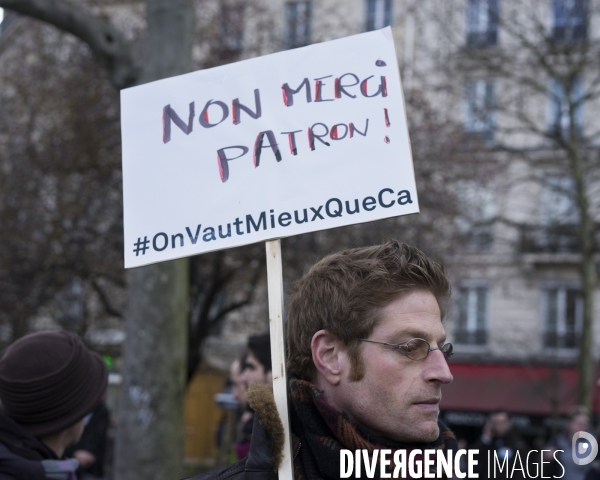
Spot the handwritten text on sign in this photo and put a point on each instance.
(289, 143)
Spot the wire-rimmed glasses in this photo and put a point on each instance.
(417, 348)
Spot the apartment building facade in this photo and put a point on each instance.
(518, 303)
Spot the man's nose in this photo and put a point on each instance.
(437, 369)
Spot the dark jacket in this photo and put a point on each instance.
(256, 466)
(266, 445)
(509, 444)
(24, 457)
(93, 440)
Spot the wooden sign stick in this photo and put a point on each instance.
(275, 292)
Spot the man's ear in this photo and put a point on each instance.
(326, 356)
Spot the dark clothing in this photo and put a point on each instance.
(572, 471)
(594, 472)
(93, 440)
(508, 446)
(242, 443)
(319, 433)
(256, 466)
(24, 457)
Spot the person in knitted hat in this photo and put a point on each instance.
(49, 381)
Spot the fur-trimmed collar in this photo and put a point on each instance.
(260, 398)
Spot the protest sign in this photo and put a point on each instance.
(288, 143)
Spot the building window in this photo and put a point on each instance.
(478, 213)
(562, 104)
(471, 325)
(298, 18)
(570, 20)
(231, 30)
(559, 215)
(563, 317)
(379, 14)
(479, 108)
(557, 230)
(482, 22)
(559, 206)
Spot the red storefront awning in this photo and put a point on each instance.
(532, 390)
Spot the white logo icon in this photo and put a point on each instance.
(583, 447)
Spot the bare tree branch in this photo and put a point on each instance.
(104, 298)
(109, 45)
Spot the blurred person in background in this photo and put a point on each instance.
(578, 421)
(49, 382)
(256, 368)
(498, 436)
(233, 401)
(257, 364)
(90, 451)
(238, 388)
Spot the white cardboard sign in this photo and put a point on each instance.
(280, 145)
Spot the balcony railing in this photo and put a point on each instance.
(479, 239)
(570, 33)
(483, 39)
(561, 340)
(470, 337)
(552, 238)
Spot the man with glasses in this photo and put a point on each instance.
(366, 358)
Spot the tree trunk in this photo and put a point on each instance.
(588, 275)
(150, 425)
(586, 360)
(169, 38)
